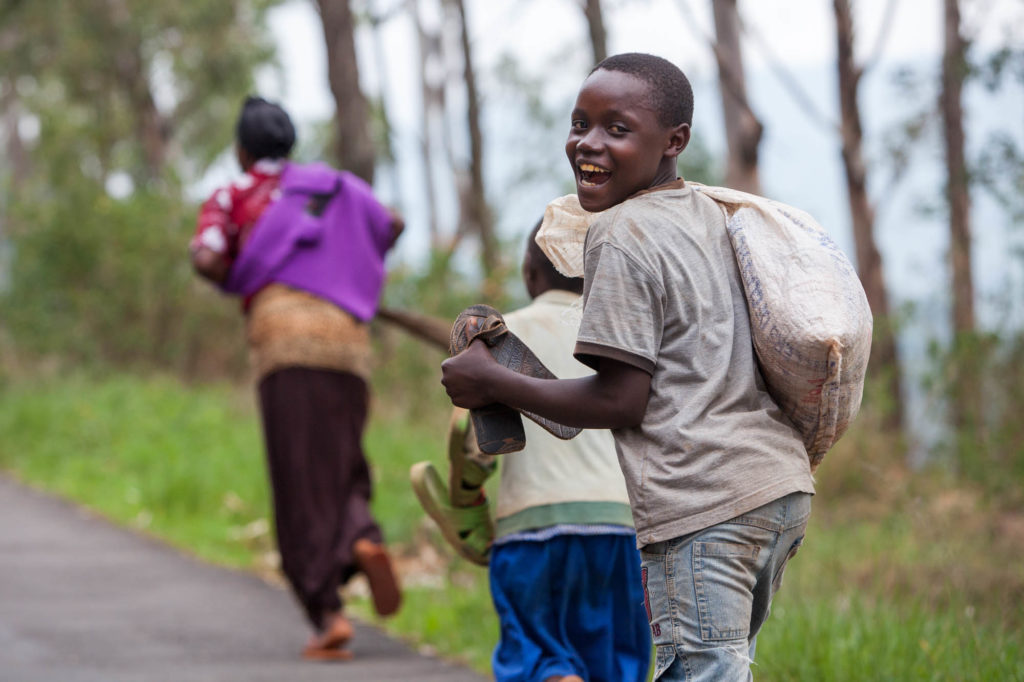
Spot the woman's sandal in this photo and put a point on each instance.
(499, 429)
(469, 530)
(374, 562)
(328, 645)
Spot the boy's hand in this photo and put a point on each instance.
(465, 377)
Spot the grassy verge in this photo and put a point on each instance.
(901, 577)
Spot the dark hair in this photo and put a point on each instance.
(546, 268)
(264, 129)
(668, 88)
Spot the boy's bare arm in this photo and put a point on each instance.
(615, 397)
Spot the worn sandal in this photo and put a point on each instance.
(469, 530)
(374, 562)
(499, 429)
(468, 467)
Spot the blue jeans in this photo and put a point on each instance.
(709, 593)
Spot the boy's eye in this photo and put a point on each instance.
(618, 128)
(577, 124)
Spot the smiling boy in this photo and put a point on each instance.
(718, 479)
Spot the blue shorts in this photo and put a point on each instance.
(570, 605)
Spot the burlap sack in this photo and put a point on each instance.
(809, 317)
(561, 234)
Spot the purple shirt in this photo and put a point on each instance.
(338, 255)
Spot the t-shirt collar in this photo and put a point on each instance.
(268, 166)
(557, 297)
(678, 183)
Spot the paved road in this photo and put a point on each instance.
(84, 601)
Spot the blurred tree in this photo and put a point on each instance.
(965, 396)
(122, 86)
(354, 143)
(476, 217)
(432, 111)
(884, 358)
(743, 130)
(595, 26)
(954, 73)
(110, 107)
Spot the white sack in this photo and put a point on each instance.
(810, 320)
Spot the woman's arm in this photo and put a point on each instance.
(614, 397)
(209, 264)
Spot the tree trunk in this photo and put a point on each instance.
(954, 70)
(884, 358)
(354, 142)
(385, 140)
(152, 129)
(10, 112)
(742, 129)
(965, 398)
(595, 25)
(432, 95)
(476, 214)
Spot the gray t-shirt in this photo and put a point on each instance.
(663, 294)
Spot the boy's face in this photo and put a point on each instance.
(617, 145)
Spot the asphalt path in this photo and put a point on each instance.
(84, 601)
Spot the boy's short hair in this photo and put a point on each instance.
(668, 87)
(264, 129)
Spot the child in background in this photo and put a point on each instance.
(718, 479)
(564, 569)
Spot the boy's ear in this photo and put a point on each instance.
(679, 137)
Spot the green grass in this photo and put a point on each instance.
(454, 619)
(899, 581)
(182, 463)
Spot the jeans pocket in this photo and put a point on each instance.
(777, 578)
(724, 576)
(664, 654)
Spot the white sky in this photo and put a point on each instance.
(799, 33)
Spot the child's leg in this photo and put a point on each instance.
(570, 607)
(604, 613)
(709, 593)
(527, 580)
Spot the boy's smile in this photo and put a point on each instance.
(617, 144)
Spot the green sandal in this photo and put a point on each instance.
(469, 530)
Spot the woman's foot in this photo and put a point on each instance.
(327, 645)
